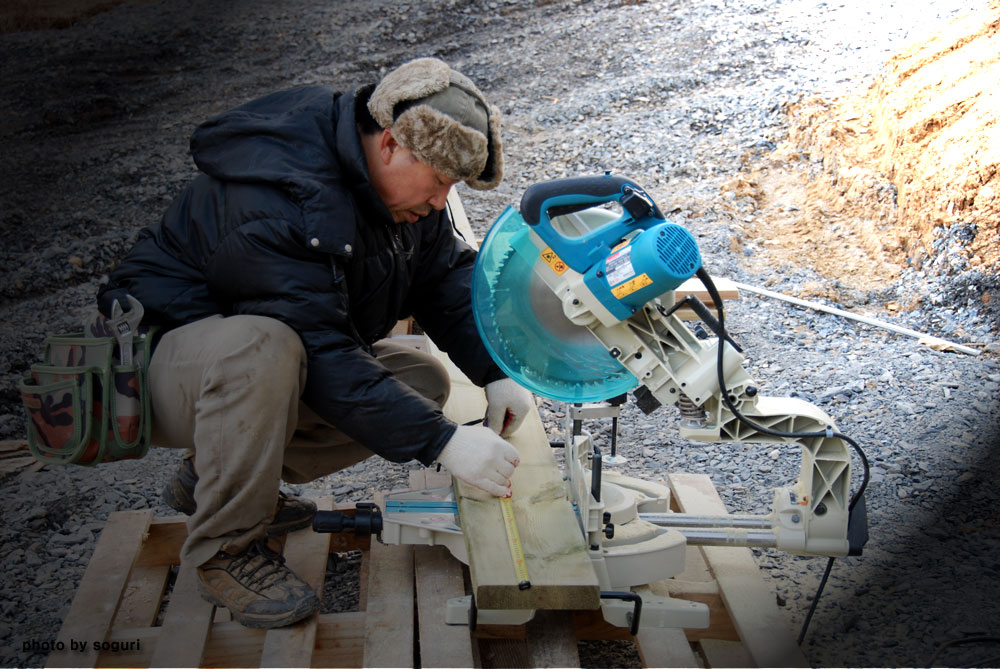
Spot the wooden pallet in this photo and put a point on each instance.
(403, 591)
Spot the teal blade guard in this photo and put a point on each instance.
(539, 356)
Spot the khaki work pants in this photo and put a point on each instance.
(228, 389)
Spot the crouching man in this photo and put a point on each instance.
(317, 222)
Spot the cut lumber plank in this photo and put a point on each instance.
(556, 555)
(93, 609)
(552, 641)
(340, 640)
(9, 445)
(389, 624)
(504, 653)
(186, 624)
(339, 643)
(760, 624)
(163, 544)
(363, 573)
(306, 554)
(720, 654)
(142, 598)
(665, 648)
(727, 290)
(438, 579)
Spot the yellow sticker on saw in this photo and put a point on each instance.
(632, 285)
(554, 261)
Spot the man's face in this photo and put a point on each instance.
(409, 188)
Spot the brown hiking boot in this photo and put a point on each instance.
(293, 513)
(257, 587)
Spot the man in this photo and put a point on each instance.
(315, 225)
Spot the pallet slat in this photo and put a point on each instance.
(143, 595)
(721, 654)
(761, 626)
(389, 624)
(552, 641)
(101, 589)
(665, 648)
(186, 625)
(339, 643)
(439, 578)
(305, 554)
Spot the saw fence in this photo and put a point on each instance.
(126, 616)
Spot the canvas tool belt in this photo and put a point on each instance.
(88, 400)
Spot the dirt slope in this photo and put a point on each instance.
(866, 185)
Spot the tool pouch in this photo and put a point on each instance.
(83, 405)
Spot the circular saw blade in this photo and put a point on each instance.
(522, 324)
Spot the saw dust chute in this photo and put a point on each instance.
(865, 185)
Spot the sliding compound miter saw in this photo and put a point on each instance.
(574, 297)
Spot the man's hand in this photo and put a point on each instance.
(476, 455)
(507, 404)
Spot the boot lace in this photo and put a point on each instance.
(258, 566)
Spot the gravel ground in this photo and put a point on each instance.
(95, 121)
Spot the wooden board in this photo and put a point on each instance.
(761, 626)
(142, 598)
(693, 286)
(389, 623)
(339, 643)
(439, 578)
(551, 640)
(305, 554)
(96, 601)
(183, 637)
(557, 558)
(665, 648)
(721, 654)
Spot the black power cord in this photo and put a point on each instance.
(719, 327)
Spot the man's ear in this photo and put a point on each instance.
(387, 146)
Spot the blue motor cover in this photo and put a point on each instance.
(653, 262)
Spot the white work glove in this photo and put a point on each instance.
(507, 404)
(476, 455)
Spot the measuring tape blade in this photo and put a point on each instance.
(514, 543)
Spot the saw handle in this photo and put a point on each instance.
(542, 201)
(577, 193)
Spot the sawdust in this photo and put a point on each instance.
(864, 185)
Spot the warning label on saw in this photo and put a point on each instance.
(618, 266)
(553, 261)
(632, 285)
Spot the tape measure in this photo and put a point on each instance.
(514, 543)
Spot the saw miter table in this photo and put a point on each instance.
(576, 299)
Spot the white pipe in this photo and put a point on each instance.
(924, 339)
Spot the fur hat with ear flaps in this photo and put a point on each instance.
(440, 116)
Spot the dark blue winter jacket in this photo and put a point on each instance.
(284, 222)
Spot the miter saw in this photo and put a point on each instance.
(574, 297)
